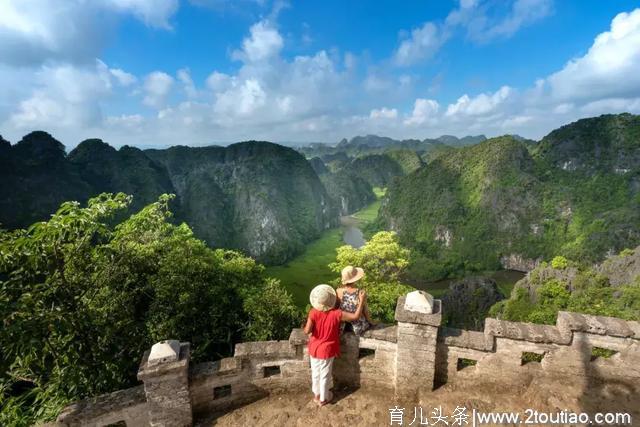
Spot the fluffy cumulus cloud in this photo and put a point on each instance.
(65, 96)
(157, 86)
(424, 111)
(264, 43)
(480, 105)
(189, 87)
(610, 69)
(50, 79)
(269, 90)
(35, 31)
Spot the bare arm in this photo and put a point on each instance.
(309, 326)
(350, 317)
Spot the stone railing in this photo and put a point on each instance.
(414, 354)
(563, 350)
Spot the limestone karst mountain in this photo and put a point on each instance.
(259, 197)
(36, 177)
(507, 203)
(374, 144)
(350, 180)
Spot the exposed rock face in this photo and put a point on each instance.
(128, 170)
(259, 197)
(510, 203)
(348, 191)
(36, 178)
(377, 169)
(542, 274)
(318, 165)
(606, 143)
(622, 269)
(443, 235)
(468, 301)
(519, 263)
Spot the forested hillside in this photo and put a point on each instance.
(505, 202)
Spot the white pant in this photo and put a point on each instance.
(321, 377)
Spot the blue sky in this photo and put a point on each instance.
(166, 72)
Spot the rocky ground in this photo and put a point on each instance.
(372, 408)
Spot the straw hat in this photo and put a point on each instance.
(323, 297)
(351, 274)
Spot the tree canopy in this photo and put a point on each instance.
(384, 261)
(83, 295)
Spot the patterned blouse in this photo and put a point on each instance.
(349, 303)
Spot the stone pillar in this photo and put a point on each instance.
(419, 317)
(165, 373)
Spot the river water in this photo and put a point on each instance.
(351, 233)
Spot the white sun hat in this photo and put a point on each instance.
(323, 297)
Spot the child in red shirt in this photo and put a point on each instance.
(323, 323)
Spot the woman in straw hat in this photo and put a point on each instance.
(323, 323)
(348, 299)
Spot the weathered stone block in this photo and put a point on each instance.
(408, 316)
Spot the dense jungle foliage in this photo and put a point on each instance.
(83, 295)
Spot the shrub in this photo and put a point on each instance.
(559, 263)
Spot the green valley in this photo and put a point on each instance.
(311, 267)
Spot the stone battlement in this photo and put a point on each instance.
(406, 358)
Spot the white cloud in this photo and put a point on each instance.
(124, 78)
(157, 86)
(611, 67)
(481, 104)
(563, 108)
(322, 95)
(64, 96)
(128, 120)
(473, 16)
(482, 28)
(155, 13)
(218, 81)
(263, 43)
(184, 75)
(423, 110)
(423, 43)
(383, 113)
(35, 31)
(242, 99)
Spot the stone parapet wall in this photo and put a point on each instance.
(504, 350)
(129, 406)
(416, 354)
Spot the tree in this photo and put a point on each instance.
(384, 261)
(82, 298)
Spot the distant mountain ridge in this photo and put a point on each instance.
(374, 144)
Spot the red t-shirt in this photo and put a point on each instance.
(325, 335)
